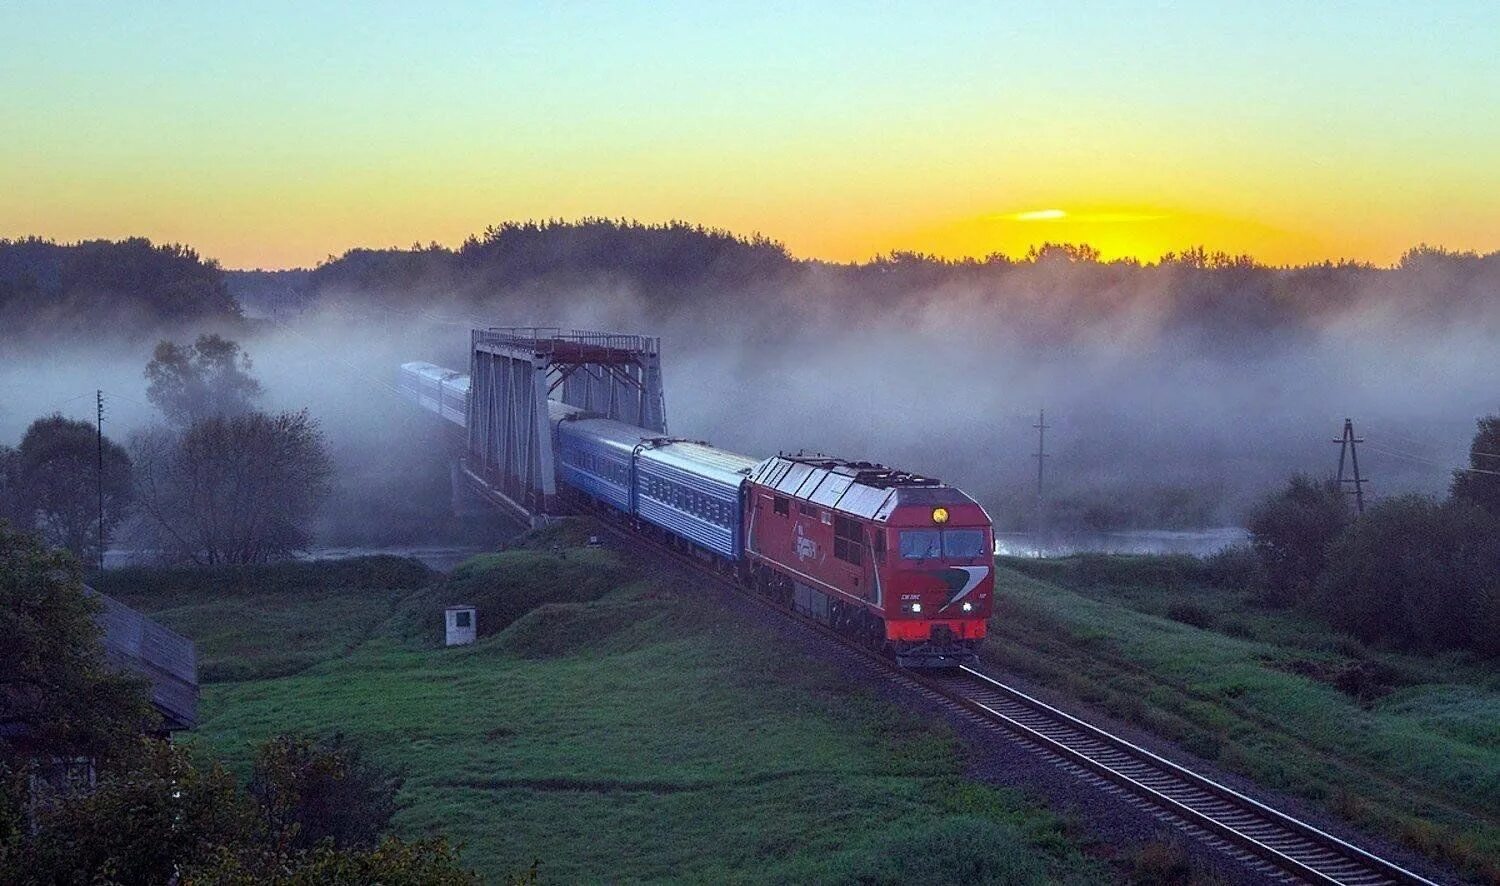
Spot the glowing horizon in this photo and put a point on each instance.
(277, 135)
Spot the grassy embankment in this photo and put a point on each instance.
(610, 723)
(1403, 745)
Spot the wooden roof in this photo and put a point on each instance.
(167, 660)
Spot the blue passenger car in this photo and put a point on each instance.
(594, 456)
(693, 490)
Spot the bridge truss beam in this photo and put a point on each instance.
(513, 372)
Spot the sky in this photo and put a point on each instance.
(275, 134)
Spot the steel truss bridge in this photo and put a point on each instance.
(517, 373)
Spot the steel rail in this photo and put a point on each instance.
(1269, 834)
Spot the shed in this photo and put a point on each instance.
(462, 623)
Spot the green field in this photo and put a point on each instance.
(611, 724)
(1402, 745)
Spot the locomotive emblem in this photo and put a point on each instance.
(961, 580)
(807, 549)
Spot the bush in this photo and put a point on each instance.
(1416, 573)
(376, 572)
(1190, 614)
(1480, 484)
(1235, 568)
(1290, 533)
(959, 849)
(322, 790)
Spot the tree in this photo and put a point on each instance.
(140, 823)
(58, 696)
(207, 379)
(52, 480)
(1290, 532)
(233, 489)
(1481, 484)
(323, 790)
(161, 818)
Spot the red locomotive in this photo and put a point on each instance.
(901, 561)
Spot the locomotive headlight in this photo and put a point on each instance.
(916, 607)
(968, 607)
(940, 515)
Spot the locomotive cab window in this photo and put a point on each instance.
(782, 506)
(963, 544)
(921, 544)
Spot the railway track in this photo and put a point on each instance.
(1273, 842)
(1292, 847)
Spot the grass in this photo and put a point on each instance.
(617, 726)
(271, 621)
(1403, 745)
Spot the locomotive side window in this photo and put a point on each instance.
(846, 540)
(782, 506)
(877, 545)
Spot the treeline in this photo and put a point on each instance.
(1052, 294)
(99, 289)
(1413, 571)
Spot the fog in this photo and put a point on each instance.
(1175, 397)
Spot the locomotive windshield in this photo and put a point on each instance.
(921, 544)
(952, 544)
(963, 544)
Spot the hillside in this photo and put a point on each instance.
(1400, 745)
(612, 724)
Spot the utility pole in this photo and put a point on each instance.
(1348, 446)
(99, 477)
(1041, 462)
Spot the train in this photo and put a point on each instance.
(901, 562)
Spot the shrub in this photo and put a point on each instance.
(322, 790)
(958, 849)
(1235, 568)
(1480, 485)
(1190, 614)
(384, 572)
(1417, 573)
(1290, 532)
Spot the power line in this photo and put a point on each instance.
(1386, 450)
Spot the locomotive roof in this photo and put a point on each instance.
(863, 489)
